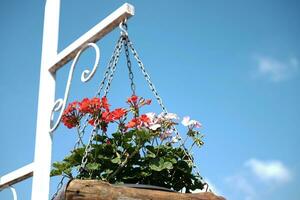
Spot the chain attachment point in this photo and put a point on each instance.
(123, 26)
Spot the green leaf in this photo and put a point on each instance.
(150, 148)
(55, 172)
(184, 166)
(108, 171)
(156, 164)
(100, 138)
(117, 135)
(144, 135)
(168, 165)
(145, 174)
(93, 166)
(150, 155)
(116, 160)
(155, 167)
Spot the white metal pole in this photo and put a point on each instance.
(43, 141)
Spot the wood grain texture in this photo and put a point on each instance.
(99, 190)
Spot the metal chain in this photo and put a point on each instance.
(159, 99)
(82, 129)
(105, 77)
(114, 67)
(131, 76)
(110, 65)
(77, 144)
(79, 139)
(58, 188)
(108, 75)
(147, 77)
(88, 148)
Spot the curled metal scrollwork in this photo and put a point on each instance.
(60, 104)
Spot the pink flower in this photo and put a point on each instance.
(191, 123)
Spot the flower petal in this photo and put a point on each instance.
(154, 127)
(186, 121)
(171, 116)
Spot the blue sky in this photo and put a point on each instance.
(233, 65)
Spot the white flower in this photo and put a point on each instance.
(154, 127)
(175, 139)
(151, 116)
(187, 122)
(169, 116)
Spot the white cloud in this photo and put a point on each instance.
(276, 70)
(257, 180)
(269, 171)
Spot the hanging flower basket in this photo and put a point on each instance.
(144, 149)
(129, 146)
(99, 190)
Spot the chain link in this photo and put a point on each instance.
(58, 188)
(109, 75)
(105, 77)
(131, 76)
(110, 65)
(88, 148)
(114, 67)
(81, 130)
(147, 76)
(159, 99)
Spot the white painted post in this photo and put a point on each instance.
(51, 61)
(43, 144)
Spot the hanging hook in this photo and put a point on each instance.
(123, 27)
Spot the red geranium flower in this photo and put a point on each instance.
(104, 103)
(107, 117)
(91, 106)
(133, 99)
(92, 121)
(118, 113)
(133, 123)
(144, 118)
(70, 117)
(94, 105)
(84, 106)
(71, 108)
(142, 121)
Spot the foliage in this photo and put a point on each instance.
(144, 150)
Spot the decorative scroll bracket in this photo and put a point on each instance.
(60, 104)
(52, 61)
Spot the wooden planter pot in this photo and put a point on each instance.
(99, 190)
